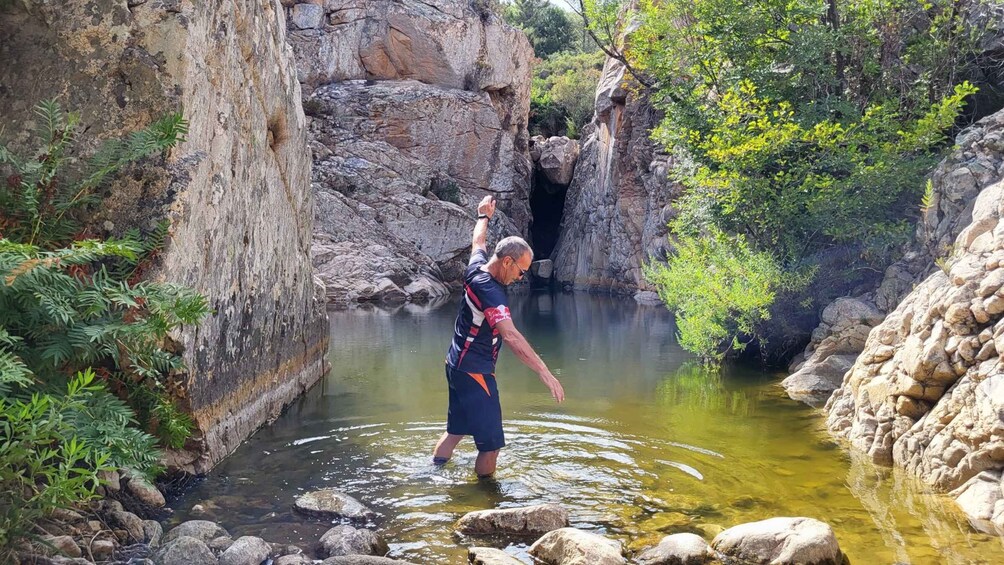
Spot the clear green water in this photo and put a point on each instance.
(644, 446)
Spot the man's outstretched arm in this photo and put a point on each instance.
(524, 351)
(486, 209)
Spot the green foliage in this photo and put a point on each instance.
(547, 26)
(721, 290)
(562, 93)
(807, 126)
(87, 368)
(41, 194)
(44, 461)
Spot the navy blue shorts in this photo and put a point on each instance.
(475, 409)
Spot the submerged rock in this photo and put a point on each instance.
(527, 521)
(363, 560)
(678, 549)
(780, 541)
(569, 546)
(330, 503)
(346, 540)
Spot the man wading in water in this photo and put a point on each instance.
(470, 364)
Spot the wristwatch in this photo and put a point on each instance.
(485, 216)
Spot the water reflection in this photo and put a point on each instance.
(647, 443)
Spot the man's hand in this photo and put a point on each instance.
(557, 392)
(487, 206)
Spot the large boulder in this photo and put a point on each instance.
(419, 109)
(332, 504)
(569, 546)
(557, 159)
(236, 191)
(780, 541)
(526, 521)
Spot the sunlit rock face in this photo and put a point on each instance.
(620, 197)
(237, 191)
(418, 109)
(927, 391)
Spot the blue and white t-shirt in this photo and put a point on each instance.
(476, 341)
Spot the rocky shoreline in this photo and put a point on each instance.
(105, 532)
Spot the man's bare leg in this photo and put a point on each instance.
(484, 465)
(444, 448)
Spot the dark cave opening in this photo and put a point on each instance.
(547, 202)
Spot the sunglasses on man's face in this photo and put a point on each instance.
(522, 271)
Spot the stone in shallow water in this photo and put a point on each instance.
(246, 550)
(185, 550)
(678, 549)
(526, 521)
(346, 540)
(490, 556)
(202, 530)
(568, 546)
(330, 503)
(363, 560)
(780, 541)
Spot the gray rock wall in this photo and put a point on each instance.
(418, 109)
(619, 201)
(926, 391)
(237, 191)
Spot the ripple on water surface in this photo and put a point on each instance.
(646, 445)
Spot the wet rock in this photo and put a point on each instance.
(63, 545)
(220, 544)
(184, 550)
(982, 500)
(202, 530)
(152, 532)
(527, 521)
(815, 381)
(297, 559)
(780, 541)
(246, 550)
(678, 549)
(330, 503)
(346, 540)
(542, 269)
(102, 549)
(129, 522)
(490, 556)
(145, 491)
(569, 546)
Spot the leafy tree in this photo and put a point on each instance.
(562, 93)
(808, 126)
(547, 26)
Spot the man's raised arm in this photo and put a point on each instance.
(486, 209)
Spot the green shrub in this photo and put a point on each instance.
(807, 126)
(721, 290)
(562, 93)
(547, 26)
(87, 368)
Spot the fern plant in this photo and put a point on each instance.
(42, 193)
(87, 366)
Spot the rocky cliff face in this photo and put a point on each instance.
(927, 391)
(619, 201)
(418, 109)
(237, 191)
